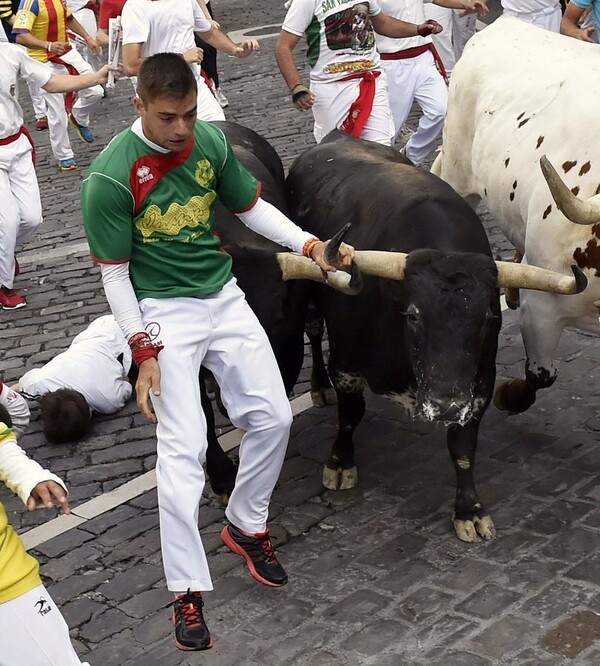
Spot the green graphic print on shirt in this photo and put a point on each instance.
(156, 211)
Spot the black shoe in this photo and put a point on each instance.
(258, 552)
(191, 632)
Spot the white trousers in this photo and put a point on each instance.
(20, 208)
(87, 18)
(208, 107)
(85, 106)
(222, 333)
(457, 30)
(333, 100)
(417, 79)
(549, 19)
(38, 99)
(34, 633)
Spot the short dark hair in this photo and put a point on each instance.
(5, 416)
(165, 75)
(65, 416)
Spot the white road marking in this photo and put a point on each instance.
(32, 257)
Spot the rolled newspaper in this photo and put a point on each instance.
(115, 38)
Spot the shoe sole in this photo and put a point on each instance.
(71, 168)
(14, 307)
(74, 123)
(238, 550)
(186, 648)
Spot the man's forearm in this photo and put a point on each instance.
(287, 67)
(219, 41)
(64, 83)
(392, 27)
(31, 42)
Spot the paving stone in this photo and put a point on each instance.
(575, 544)
(131, 582)
(118, 650)
(504, 637)
(587, 570)
(65, 542)
(574, 634)
(556, 599)
(357, 607)
(130, 528)
(81, 610)
(422, 604)
(147, 602)
(403, 547)
(110, 519)
(76, 584)
(375, 638)
(488, 602)
(58, 568)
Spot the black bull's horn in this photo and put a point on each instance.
(579, 211)
(392, 265)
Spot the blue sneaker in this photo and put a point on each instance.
(85, 133)
(67, 165)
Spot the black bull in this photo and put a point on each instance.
(429, 341)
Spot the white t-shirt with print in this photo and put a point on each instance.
(15, 63)
(339, 33)
(89, 366)
(529, 6)
(16, 406)
(163, 26)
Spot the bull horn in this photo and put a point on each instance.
(333, 245)
(522, 276)
(577, 210)
(297, 267)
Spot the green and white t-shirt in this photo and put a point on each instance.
(339, 34)
(156, 210)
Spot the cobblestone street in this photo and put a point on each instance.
(377, 575)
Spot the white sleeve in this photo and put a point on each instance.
(271, 223)
(19, 472)
(121, 298)
(374, 7)
(34, 72)
(135, 23)
(299, 16)
(16, 406)
(201, 23)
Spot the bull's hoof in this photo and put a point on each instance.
(340, 479)
(515, 396)
(470, 531)
(323, 397)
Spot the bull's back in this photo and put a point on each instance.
(392, 205)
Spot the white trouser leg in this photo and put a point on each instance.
(431, 94)
(87, 18)
(463, 28)
(34, 633)
(222, 332)
(88, 99)
(208, 107)
(21, 210)
(443, 42)
(57, 120)
(332, 104)
(547, 19)
(38, 100)
(401, 82)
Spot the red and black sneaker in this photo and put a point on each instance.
(258, 552)
(191, 632)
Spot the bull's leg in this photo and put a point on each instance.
(340, 471)
(470, 519)
(541, 329)
(220, 469)
(321, 390)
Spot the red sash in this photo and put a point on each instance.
(361, 108)
(417, 51)
(23, 131)
(147, 171)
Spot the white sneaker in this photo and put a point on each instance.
(223, 101)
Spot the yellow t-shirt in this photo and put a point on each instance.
(19, 572)
(44, 19)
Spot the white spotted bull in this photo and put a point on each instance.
(520, 93)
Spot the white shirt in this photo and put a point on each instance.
(411, 11)
(15, 63)
(339, 33)
(163, 26)
(529, 6)
(16, 406)
(89, 366)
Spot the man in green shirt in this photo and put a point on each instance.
(148, 208)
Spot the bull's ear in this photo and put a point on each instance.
(296, 267)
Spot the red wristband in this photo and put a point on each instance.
(142, 347)
(309, 246)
